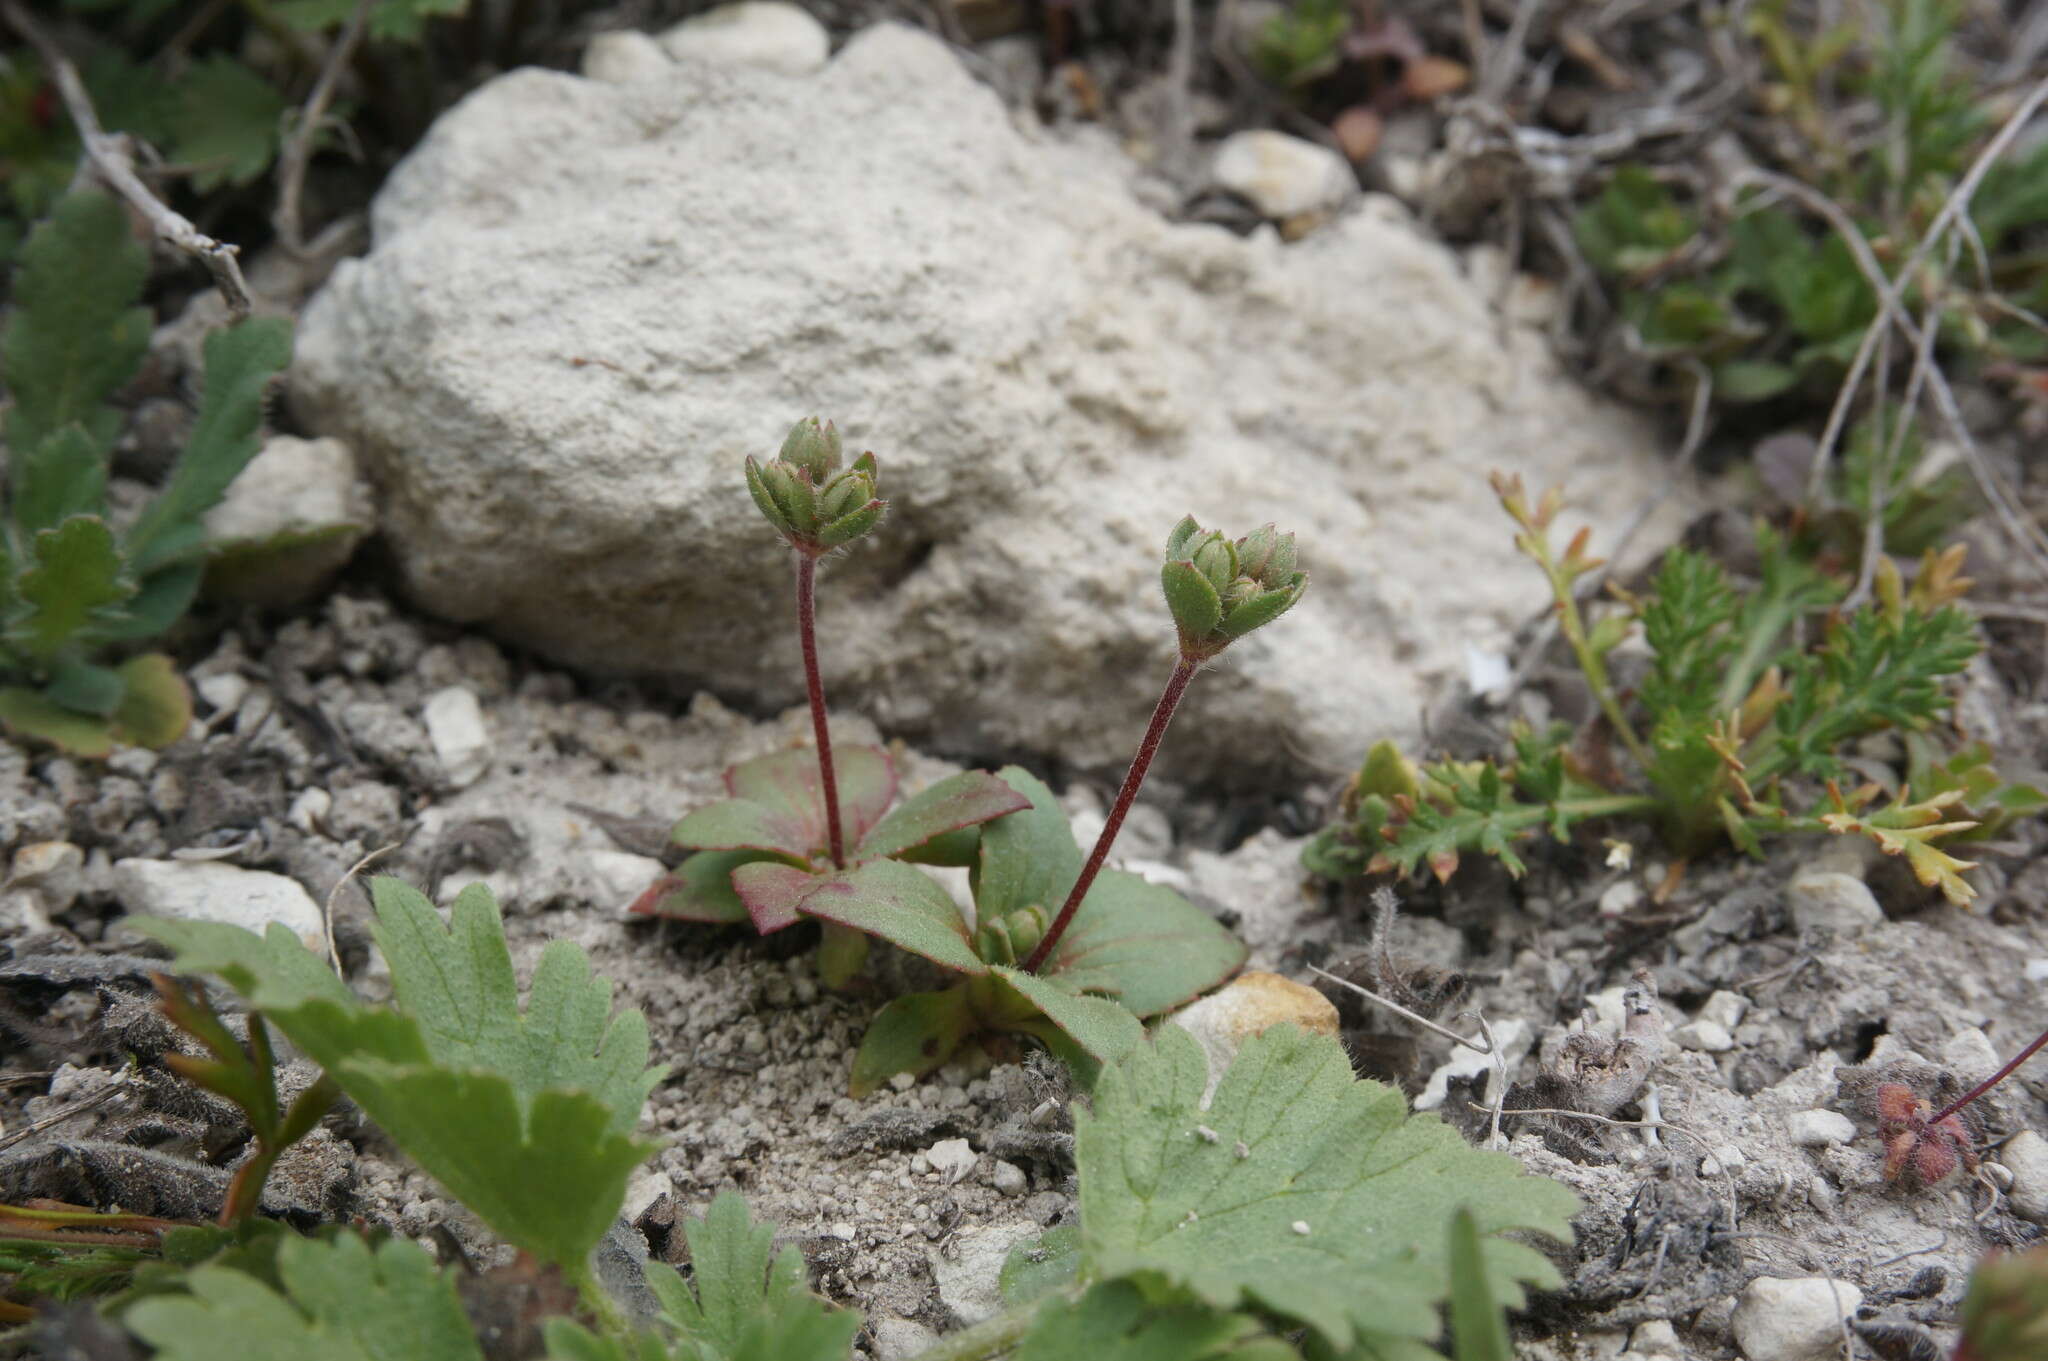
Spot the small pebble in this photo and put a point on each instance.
(1283, 176)
(1819, 1129)
(1798, 1319)
(1009, 1179)
(1724, 1009)
(1706, 1036)
(455, 725)
(1831, 901)
(1621, 898)
(2025, 1155)
(953, 1159)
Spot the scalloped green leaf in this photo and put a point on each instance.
(1335, 1214)
(74, 580)
(340, 1300)
(964, 800)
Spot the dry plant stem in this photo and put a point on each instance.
(99, 1098)
(1988, 1083)
(110, 157)
(814, 687)
(298, 148)
(334, 955)
(1162, 714)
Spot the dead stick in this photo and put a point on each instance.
(298, 148)
(110, 157)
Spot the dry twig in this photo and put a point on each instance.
(297, 152)
(112, 159)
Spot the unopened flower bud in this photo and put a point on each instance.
(1217, 595)
(1216, 559)
(813, 448)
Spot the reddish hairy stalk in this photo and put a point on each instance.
(814, 686)
(1988, 1083)
(1162, 715)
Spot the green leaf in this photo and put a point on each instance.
(73, 582)
(914, 1034)
(1334, 1216)
(1479, 1327)
(155, 707)
(76, 334)
(744, 1300)
(165, 596)
(241, 361)
(545, 1166)
(456, 982)
(1115, 1322)
(65, 475)
(1035, 1269)
(1144, 945)
(1028, 858)
(885, 898)
(402, 21)
(1190, 598)
(26, 713)
(340, 1302)
(1105, 1031)
(225, 123)
(1752, 380)
(963, 800)
(86, 689)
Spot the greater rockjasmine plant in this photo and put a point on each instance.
(811, 834)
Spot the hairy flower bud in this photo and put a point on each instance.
(812, 505)
(812, 447)
(1218, 591)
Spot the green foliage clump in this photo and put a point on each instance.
(525, 1117)
(73, 587)
(1733, 725)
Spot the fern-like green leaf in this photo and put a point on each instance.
(241, 361)
(341, 1302)
(1300, 1190)
(74, 581)
(225, 123)
(76, 334)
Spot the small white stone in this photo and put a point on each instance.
(1513, 1037)
(212, 891)
(762, 33)
(1620, 898)
(309, 810)
(841, 1230)
(899, 1339)
(455, 725)
(222, 692)
(968, 1275)
(1283, 176)
(2025, 1155)
(951, 1158)
(1799, 1319)
(2036, 970)
(1251, 1002)
(1730, 1156)
(643, 1188)
(1705, 1036)
(54, 871)
(309, 489)
(622, 876)
(903, 1082)
(1819, 1129)
(1725, 1009)
(1969, 1055)
(1831, 901)
(1655, 1338)
(625, 57)
(1008, 1178)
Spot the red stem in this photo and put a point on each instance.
(1169, 700)
(814, 686)
(1988, 1083)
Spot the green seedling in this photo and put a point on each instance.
(244, 1073)
(74, 590)
(1730, 723)
(1057, 949)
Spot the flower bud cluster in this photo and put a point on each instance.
(1219, 590)
(812, 504)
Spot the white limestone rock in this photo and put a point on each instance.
(588, 302)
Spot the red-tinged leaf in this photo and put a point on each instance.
(964, 800)
(743, 825)
(1443, 864)
(788, 783)
(895, 901)
(912, 1034)
(772, 892)
(700, 890)
(1144, 945)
